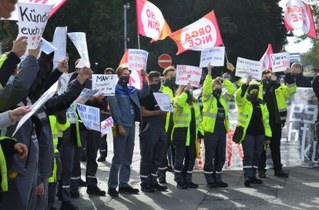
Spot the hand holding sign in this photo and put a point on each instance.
(230, 66)
(35, 52)
(20, 46)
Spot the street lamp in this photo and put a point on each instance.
(125, 8)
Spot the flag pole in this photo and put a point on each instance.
(138, 42)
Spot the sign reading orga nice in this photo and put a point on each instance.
(104, 83)
(188, 75)
(280, 61)
(202, 34)
(32, 21)
(246, 67)
(214, 56)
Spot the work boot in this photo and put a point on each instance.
(95, 191)
(181, 185)
(281, 173)
(68, 205)
(248, 182)
(262, 174)
(128, 190)
(255, 180)
(113, 192)
(191, 185)
(161, 188)
(101, 159)
(82, 183)
(219, 181)
(146, 187)
(74, 194)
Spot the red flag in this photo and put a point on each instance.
(298, 15)
(265, 59)
(150, 21)
(202, 34)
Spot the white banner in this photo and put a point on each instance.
(280, 61)
(79, 41)
(32, 21)
(188, 74)
(59, 41)
(164, 102)
(214, 56)
(104, 83)
(106, 125)
(90, 116)
(246, 67)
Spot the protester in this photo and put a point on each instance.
(187, 127)
(253, 121)
(125, 110)
(297, 73)
(275, 95)
(216, 125)
(6, 7)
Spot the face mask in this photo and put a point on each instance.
(123, 81)
(155, 87)
(217, 92)
(267, 81)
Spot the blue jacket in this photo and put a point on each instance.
(120, 104)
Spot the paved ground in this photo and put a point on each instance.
(299, 191)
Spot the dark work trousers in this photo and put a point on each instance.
(275, 150)
(152, 146)
(92, 139)
(51, 196)
(123, 147)
(103, 147)
(253, 147)
(215, 150)
(183, 172)
(168, 146)
(66, 149)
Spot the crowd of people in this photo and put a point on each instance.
(41, 162)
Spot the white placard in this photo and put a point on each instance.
(47, 47)
(59, 41)
(63, 82)
(246, 67)
(104, 83)
(106, 125)
(90, 116)
(37, 105)
(214, 56)
(71, 113)
(79, 41)
(85, 95)
(280, 61)
(188, 75)
(137, 59)
(164, 102)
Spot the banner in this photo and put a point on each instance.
(202, 34)
(265, 59)
(214, 56)
(104, 83)
(280, 61)
(188, 75)
(164, 102)
(106, 125)
(57, 4)
(32, 19)
(90, 116)
(150, 21)
(37, 105)
(85, 95)
(59, 41)
(79, 41)
(298, 15)
(246, 67)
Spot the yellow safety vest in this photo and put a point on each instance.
(245, 111)
(210, 108)
(3, 167)
(2, 59)
(167, 90)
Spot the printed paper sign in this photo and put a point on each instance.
(59, 41)
(164, 102)
(90, 116)
(104, 83)
(37, 105)
(280, 61)
(57, 4)
(188, 74)
(71, 113)
(135, 59)
(214, 56)
(79, 41)
(47, 47)
(32, 21)
(246, 67)
(85, 95)
(63, 82)
(106, 126)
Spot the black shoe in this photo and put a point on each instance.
(181, 185)
(82, 183)
(146, 187)
(281, 173)
(212, 185)
(262, 175)
(75, 194)
(161, 188)
(162, 181)
(53, 208)
(221, 184)
(255, 180)
(191, 185)
(67, 205)
(247, 182)
(95, 191)
(113, 192)
(101, 159)
(128, 190)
